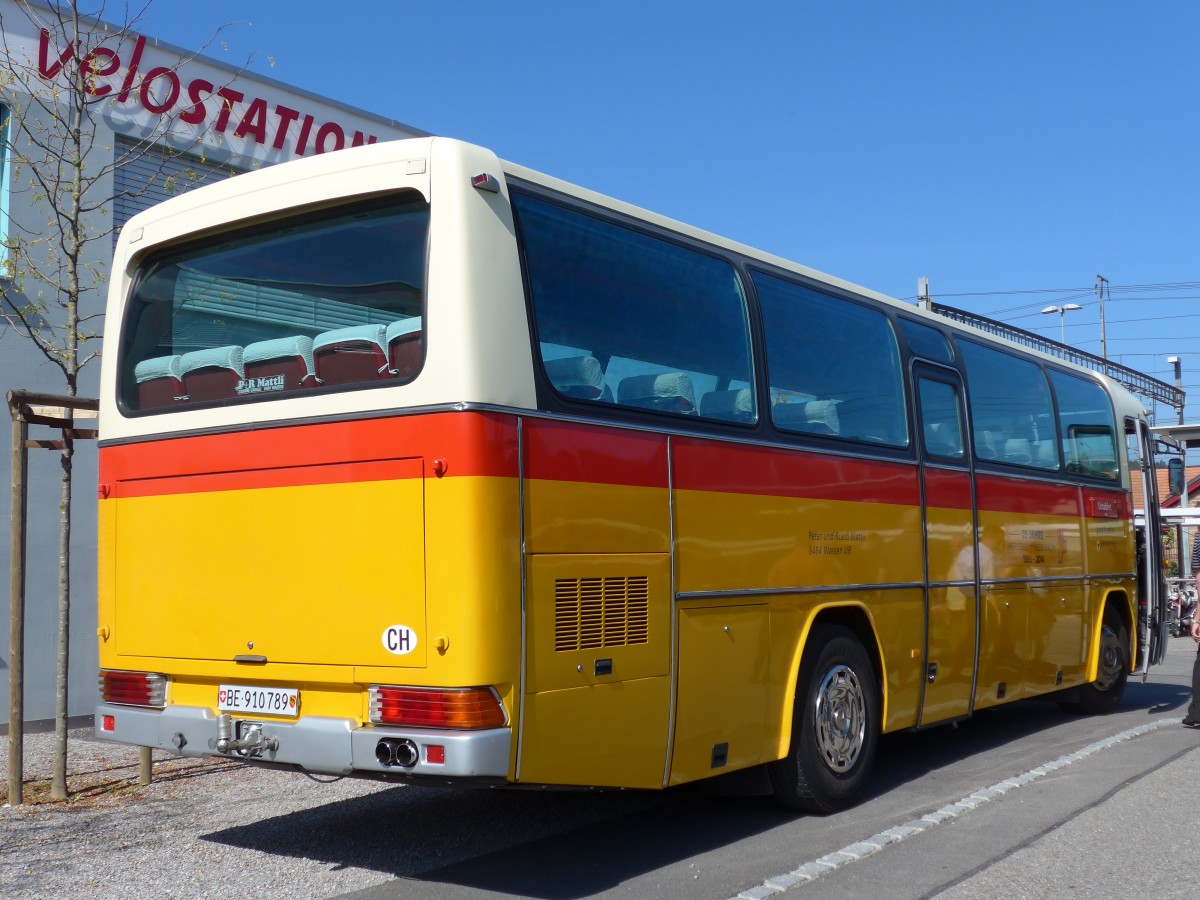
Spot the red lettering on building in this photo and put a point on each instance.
(49, 69)
(325, 131)
(161, 92)
(93, 70)
(147, 94)
(197, 113)
(302, 140)
(287, 116)
(136, 60)
(230, 96)
(254, 122)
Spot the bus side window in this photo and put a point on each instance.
(1087, 426)
(833, 365)
(1011, 407)
(667, 320)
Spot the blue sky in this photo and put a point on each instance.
(1010, 152)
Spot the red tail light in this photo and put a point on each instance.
(134, 688)
(436, 707)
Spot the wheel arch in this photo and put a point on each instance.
(1118, 603)
(853, 616)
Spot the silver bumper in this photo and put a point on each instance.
(315, 744)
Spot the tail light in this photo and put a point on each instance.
(436, 707)
(134, 688)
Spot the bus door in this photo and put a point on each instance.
(951, 555)
(1153, 619)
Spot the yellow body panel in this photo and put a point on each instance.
(724, 683)
(607, 735)
(249, 572)
(736, 542)
(599, 629)
(320, 618)
(573, 517)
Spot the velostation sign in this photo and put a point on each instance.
(148, 90)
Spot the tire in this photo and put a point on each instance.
(835, 725)
(1104, 694)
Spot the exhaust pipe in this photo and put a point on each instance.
(392, 752)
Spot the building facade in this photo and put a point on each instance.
(161, 120)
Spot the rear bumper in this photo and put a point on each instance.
(320, 745)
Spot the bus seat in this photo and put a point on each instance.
(732, 406)
(403, 339)
(159, 382)
(212, 374)
(942, 440)
(985, 445)
(1047, 455)
(576, 376)
(1017, 450)
(813, 416)
(669, 391)
(290, 358)
(347, 355)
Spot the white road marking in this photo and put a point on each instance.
(832, 861)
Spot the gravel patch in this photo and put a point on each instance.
(204, 828)
(217, 828)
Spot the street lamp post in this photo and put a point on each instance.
(1062, 314)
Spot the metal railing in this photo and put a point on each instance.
(1134, 380)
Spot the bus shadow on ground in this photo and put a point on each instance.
(560, 844)
(552, 844)
(908, 756)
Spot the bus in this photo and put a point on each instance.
(422, 466)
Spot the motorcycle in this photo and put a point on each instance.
(1182, 606)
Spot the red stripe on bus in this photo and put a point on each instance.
(996, 493)
(471, 444)
(947, 489)
(565, 451)
(769, 471)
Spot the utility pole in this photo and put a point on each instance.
(923, 300)
(1102, 288)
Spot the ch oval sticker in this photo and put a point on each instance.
(399, 639)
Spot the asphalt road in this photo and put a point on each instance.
(1074, 806)
(1022, 801)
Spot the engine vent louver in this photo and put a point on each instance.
(600, 612)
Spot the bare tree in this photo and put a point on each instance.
(57, 257)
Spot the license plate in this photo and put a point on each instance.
(272, 701)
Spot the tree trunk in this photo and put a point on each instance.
(58, 784)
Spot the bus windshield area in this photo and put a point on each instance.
(329, 301)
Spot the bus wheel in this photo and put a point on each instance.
(835, 725)
(1103, 694)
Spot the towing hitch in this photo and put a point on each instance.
(250, 741)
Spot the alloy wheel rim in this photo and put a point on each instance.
(840, 720)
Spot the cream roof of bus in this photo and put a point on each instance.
(388, 166)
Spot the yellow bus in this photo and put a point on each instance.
(419, 465)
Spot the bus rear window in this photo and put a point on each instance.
(328, 302)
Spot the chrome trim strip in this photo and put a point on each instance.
(1059, 579)
(733, 593)
(952, 584)
(684, 596)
